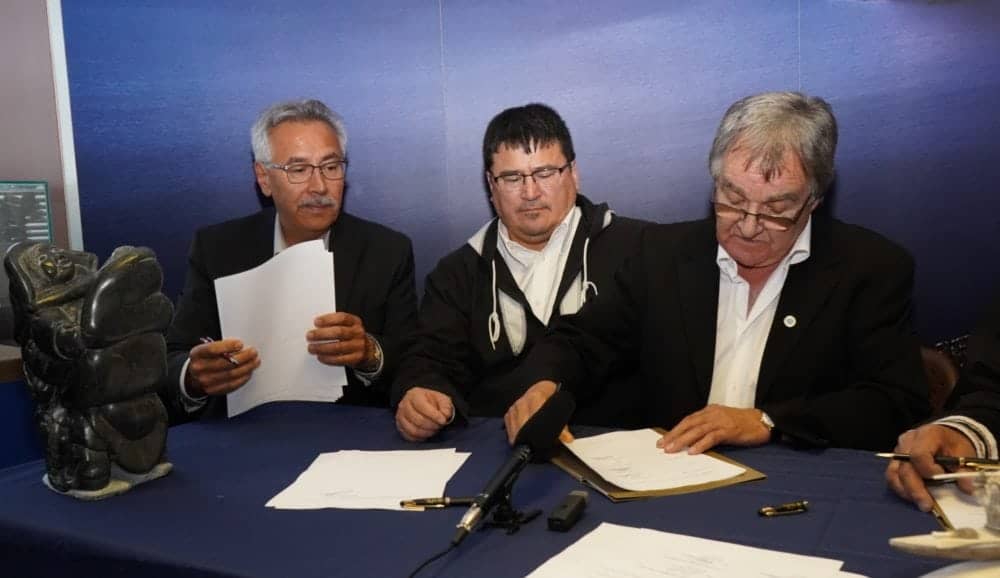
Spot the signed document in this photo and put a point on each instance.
(630, 460)
(271, 307)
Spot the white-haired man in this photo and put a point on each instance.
(765, 321)
(300, 164)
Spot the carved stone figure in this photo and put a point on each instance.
(93, 352)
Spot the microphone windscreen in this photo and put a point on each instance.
(541, 431)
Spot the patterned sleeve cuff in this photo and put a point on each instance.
(980, 436)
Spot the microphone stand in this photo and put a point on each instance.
(505, 516)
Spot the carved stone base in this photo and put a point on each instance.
(121, 482)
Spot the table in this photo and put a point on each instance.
(207, 518)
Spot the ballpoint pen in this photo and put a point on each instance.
(229, 356)
(421, 503)
(796, 507)
(950, 461)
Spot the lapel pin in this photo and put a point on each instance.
(790, 321)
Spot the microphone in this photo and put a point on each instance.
(538, 437)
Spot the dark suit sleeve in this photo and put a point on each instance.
(195, 316)
(886, 390)
(580, 351)
(977, 394)
(442, 357)
(399, 318)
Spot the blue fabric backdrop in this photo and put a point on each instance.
(163, 94)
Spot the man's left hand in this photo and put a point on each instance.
(714, 425)
(339, 339)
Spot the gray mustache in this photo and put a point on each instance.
(318, 202)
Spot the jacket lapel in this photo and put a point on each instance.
(258, 245)
(807, 288)
(347, 247)
(698, 292)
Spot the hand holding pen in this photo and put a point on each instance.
(219, 367)
(927, 447)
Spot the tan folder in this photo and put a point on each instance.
(575, 467)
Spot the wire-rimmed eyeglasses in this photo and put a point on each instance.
(301, 172)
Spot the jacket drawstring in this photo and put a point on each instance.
(587, 283)
(493, 323)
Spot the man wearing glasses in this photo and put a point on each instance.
(762, 322)
(486, 304)
(300, 163)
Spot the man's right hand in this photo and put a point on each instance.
(923, 443)
(422, 413)
(210, 372)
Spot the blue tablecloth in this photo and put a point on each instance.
(207, 518)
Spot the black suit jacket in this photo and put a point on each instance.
(846, 373)
(977, 394)
(373, 278)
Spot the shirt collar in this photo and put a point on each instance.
(522, 253)
(279, 239)
(799, 253)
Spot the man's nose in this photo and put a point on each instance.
(530, 190)
(749, 225)
(317, 184)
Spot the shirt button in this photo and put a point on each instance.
(790, 321)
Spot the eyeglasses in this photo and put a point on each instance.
(543, 177)
(770, 222)
(301, 172)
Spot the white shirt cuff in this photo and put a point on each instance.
(189, 403)
(980, 436)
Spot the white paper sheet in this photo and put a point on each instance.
(615, 551)
(355, 479)
(631, 461)
(962, 510)
(270, 308)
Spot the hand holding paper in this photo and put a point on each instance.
(339, 339)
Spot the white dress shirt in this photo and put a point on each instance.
(741, 334)
(538, 273)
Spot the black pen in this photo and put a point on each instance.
(797, 507)
(949, 461)
(229, 356)
(421, 503)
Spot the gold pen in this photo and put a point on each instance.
(422, 503)
(784, 509)
(949, 461)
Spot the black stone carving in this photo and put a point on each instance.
(93, 352)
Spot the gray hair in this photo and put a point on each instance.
(769, 124)
(292, 111)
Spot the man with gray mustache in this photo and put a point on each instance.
(300, 164)
(485, 305)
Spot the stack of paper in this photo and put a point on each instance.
(370, 480)
(271, 307)
(631, 461)
(612, 550)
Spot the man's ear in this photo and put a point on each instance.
(262, 181)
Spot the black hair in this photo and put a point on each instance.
(526, 126)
